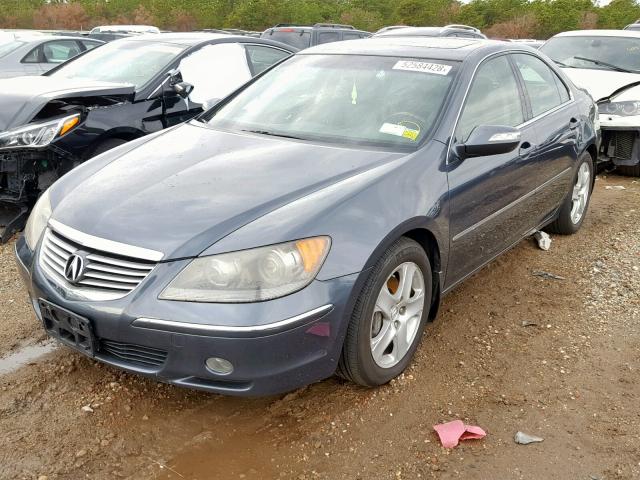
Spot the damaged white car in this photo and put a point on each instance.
(607, 64)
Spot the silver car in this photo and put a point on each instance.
(35, 54)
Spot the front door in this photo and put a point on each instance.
(487, 192)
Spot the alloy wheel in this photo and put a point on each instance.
(580, 194)
(397, 315)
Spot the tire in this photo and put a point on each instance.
(568, 223)
(368, 322)
(106, 145)
(629, 170)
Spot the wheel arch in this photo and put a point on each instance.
(426, 234)
(126, 134)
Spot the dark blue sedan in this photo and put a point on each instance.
(311, 222)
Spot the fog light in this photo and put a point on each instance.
(219, 365)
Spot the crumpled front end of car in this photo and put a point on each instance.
(620, 124)
(24, 173)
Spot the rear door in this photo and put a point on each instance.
(554, 116)
(487, 193)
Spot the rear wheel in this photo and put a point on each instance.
(629, 170)
(389, 316)
(574, 208)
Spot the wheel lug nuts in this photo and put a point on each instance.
(402, 310)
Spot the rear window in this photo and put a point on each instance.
(296, 38)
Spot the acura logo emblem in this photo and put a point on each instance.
(74, 269)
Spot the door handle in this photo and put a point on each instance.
(574, 123)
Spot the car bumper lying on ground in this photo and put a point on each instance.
(170, 341)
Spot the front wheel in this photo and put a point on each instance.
(389, 316)
(574, 208)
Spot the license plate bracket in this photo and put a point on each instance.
(69, 328)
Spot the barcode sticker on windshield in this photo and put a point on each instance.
(424, 67)
(399, 131)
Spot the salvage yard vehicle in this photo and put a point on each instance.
(311, 221)
(121, 91)
(305, 36)
(607, 64)
(35, 54)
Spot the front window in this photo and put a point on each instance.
(595, 52)
(345, 99)
(126, 61)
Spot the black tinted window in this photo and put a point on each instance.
(295, 38)
(351, 36)
(493, 99)
(328, 37)
(263, 57)
(542, 84)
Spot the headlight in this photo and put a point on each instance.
(623, 109)
(250, 275)
(38, 134)
(38, 220)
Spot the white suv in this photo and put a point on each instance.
(607, 64)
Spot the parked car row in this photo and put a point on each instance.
(276, 218)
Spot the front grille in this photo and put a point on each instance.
(622, 143)
(134, 354)
(103, 271)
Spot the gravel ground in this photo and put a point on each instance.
(510, 351)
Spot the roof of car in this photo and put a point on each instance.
(427, 31)
(448, 48)
(408, 31)
(188, 38)
(600, 33)
(43, 37)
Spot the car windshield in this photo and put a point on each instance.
(345, 99)
(8, 47)
(595, 52)
(123, 61)
(296, 38)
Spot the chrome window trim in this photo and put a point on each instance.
(202, 329)
(473, 76)
(108, 246)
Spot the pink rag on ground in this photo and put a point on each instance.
(452, 432)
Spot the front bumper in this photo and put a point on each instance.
(300, 344)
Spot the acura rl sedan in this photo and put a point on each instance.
(310, 222)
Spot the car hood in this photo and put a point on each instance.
(22, 98)
(600, 83)
(189, 187)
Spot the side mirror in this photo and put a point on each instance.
(488, 140)
(212, 102)
(183, 89)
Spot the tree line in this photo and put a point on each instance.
(497, 18)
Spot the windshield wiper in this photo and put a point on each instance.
(605, 64)
(558, 62)
(272, 134)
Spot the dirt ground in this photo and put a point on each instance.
(510, 351)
